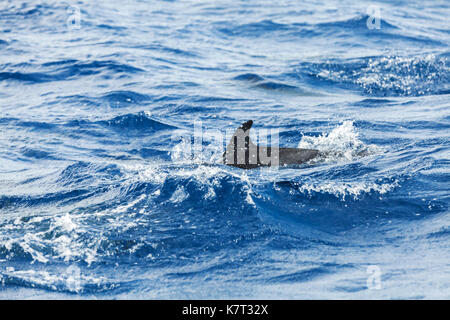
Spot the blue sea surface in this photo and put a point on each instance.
(99, 101)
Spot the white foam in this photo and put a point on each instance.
(342, 143)
(179, 195)
(65, 222)
(343, 189)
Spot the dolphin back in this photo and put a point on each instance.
(241, 152)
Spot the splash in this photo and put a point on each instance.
(211, 150)
(341, 144)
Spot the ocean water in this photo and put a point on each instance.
(99, 101)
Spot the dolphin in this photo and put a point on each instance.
(242, 153)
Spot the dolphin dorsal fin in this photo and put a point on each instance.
(246, 125)
(240, 137)
(243, 130)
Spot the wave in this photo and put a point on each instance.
(67, 70)
(356, 26)
(258, 82)
(67, 279)
(169, 50)
(25, 10)
(140, 121)
(34, 125)
(386, 32)
(82, 173)
(226, 207)
(254, 29)
(32, 153)
(112, 99)
(355, 23)
(388, 76)
(33, 77)
(249, 77)
(120, 98)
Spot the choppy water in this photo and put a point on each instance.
(95, 200)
